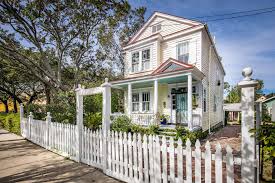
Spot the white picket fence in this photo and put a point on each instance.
(133, 157)
(57, 137)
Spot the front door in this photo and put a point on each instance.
(181, 111)
(180, 97)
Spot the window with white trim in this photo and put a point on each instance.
(156, 28)
(215, 103)
(145, 101)
(183, 52)
(204, 100)
(135, 102)
(145, 59)
(135, 62)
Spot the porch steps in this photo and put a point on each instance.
(167, 132)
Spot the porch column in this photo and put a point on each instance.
(129, 99)
(156, 96)
(189, 98)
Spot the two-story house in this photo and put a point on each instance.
(172, 67)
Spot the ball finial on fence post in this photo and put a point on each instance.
(247, 72)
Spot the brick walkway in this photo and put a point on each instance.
(22, 161)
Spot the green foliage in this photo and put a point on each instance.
(180, 131)
(39, 111)
(266, 135)
(11, 122)
(135, 128)
(122, 123)
(153, 129)
(93, 120)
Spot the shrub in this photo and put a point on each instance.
(39, 112)
(154, 129)
(135, 128)
(93, 120)
(11, 122)
(122, 123)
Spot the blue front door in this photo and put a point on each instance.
(181, 111)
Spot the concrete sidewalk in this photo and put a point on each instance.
(22, 161)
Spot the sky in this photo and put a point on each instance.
(241, 42)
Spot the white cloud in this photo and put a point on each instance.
(256, 50)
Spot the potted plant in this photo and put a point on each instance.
(163, 119)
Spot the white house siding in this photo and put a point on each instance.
(213, 89)
(168, 48)
(167, 27)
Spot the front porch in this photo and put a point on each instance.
(176, 96)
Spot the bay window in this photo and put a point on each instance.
(183, 52)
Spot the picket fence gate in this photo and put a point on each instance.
(136, 157)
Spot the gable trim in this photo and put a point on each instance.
(165, 16)
(169, 61)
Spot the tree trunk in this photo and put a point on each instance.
(14, 105)
(48, 94)
(32, 98)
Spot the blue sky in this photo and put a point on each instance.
(247, 41)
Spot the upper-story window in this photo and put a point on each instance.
(156, 28)
(141, 60)
(183, 52)
(135, 62)
(145, 59)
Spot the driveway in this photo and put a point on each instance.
(22, 161)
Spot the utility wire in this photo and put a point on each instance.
(240, 16)
(268, 10)
(237, 12)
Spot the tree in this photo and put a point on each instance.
(48, 38)
(234, 92)
(266, 137)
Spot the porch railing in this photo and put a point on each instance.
(141, 119)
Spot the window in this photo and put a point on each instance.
(135, 102)
(135, 61)
(146, 101)
(215, 103)
(204, 100)
(145, 59)
(156, 28)
(183, 52)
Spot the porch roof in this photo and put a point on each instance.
(171, 71)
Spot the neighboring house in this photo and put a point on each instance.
(269, 102)
(172, 67)
(233, 111)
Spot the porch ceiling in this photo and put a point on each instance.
(150, 83)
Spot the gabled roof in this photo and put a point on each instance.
(166, 16)
(268, 99)
(171, 65)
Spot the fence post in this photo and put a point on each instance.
(48, 122)
(106, 120)
(247, 85)
(21, 120)
(29, 125)
(79, 123)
